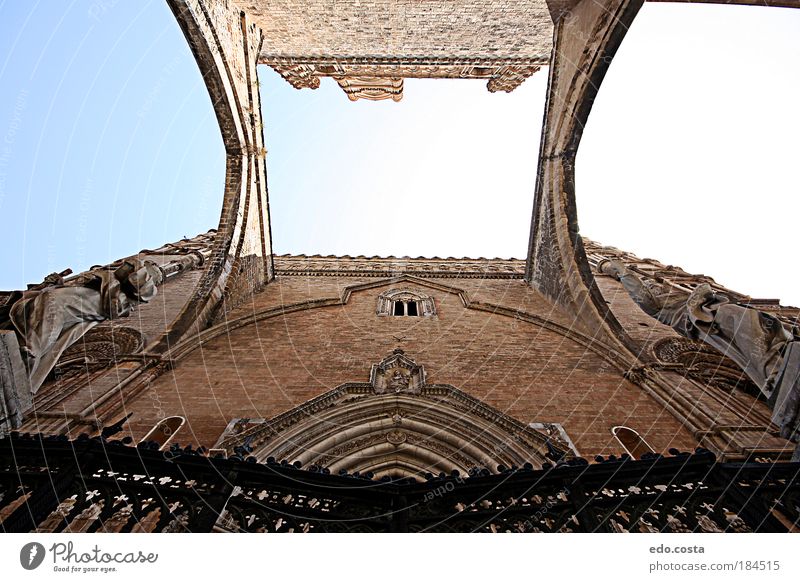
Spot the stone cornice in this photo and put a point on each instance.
(361, 266)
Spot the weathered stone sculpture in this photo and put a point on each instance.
(15, 391)
(766, 349)
(50, 317)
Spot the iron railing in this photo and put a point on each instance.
(91, 484)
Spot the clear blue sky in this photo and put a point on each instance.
(108, 144)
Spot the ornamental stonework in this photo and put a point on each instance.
(346, 266)
(377, 82)
(370, 47)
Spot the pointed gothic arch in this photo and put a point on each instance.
(395, 425)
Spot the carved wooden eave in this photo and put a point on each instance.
(395, 424)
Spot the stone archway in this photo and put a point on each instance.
(395, 425)
(586, 37)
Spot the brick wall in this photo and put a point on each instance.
(394, 28)
(278, 362)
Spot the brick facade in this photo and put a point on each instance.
(245, 335)
(315, 327)
(508, 346)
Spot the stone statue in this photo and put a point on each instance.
(50, 317)
(763, 346)
(399, 381)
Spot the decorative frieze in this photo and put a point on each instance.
(372, 88)
(299, 76)
(346, 266)
(701, 362)
(376, 81)
(103, 344)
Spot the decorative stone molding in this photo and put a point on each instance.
(397, 374)
(387, 39)
(701, 362)
(346, 266)
(425, 305)
(103, 344)
(385, 81)
(639, 375)
(395, 424)
(299, 76)
(371, 88)
(510, 78)
(189, 344)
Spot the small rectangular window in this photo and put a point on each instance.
(398, 308)
(412, 308)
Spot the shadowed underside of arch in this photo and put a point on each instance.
(395, 425)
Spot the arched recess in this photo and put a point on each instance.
(633, 443)
(164, 431)
(395, 425)
(226, 45)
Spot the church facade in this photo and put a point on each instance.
(263, 392)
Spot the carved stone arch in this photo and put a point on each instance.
(104, 344)
(704, 364)
(395, 425)
(388, 301)
(587, 35)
